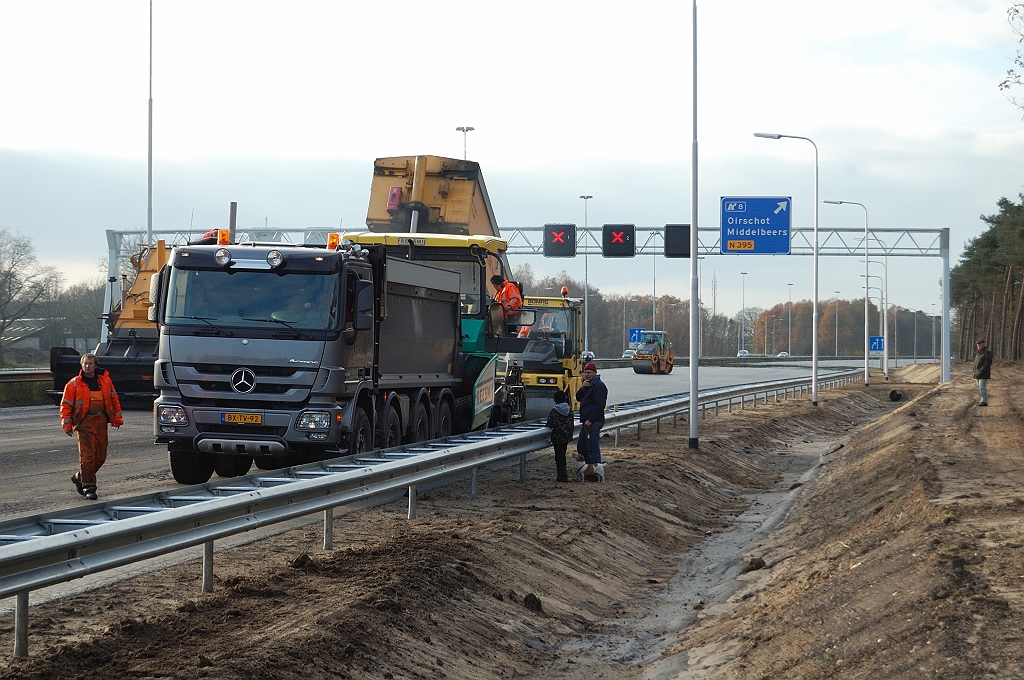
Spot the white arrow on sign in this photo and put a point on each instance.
(782, 206)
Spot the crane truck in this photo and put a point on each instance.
(129, 348)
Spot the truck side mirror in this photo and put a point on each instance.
(364, 305)
(156, 286)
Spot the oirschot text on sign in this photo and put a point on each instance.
(756, 225)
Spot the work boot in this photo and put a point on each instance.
(90, 493)
(78, 484)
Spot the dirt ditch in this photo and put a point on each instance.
(894, 550)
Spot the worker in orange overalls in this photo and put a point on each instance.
(507, 295)
(90, 402)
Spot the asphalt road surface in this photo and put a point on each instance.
(37, 459)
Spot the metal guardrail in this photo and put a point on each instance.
(26, 375)
(47, 549)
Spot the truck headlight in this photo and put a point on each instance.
(171, 415)
(222, 257)
(313, 420)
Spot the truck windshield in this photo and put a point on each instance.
(252, 299)
(554, 326)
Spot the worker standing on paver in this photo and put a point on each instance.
(983, 370)
(90, 402)
(506, 293)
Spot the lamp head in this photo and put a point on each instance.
(833, 202)
(767, 135)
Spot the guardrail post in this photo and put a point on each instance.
(473, 485)
(21, 626)
(638, 429)
(208, 567)
(329, 529)
(412, 501)
(522, 468)
(616, 437)
(657, 425)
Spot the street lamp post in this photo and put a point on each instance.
(743, 309)
(837, 323)
(664, 314)
(933, 330)
(915, 336)
(814, 313)
(700, 305)
(625, 335)
(465, 130)
(586, 277)
(885, 314)
(790, 335)
(866, 258)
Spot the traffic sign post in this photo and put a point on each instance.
(876, 345)
(559, 240)
(756, 225)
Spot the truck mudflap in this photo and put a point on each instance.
(240, 445)
(483, 388)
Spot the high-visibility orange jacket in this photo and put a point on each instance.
(510, 299)
(75, 404)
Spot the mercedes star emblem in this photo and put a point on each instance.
(243, 380)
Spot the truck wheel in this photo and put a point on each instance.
(268, 462)
(360, 437)
(419, 427)
(392, 434)
(189, 466)
(444, 419)
(232, 466)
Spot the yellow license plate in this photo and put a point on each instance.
(739, 245)
(244, 418)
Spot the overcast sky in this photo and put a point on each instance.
(283, 106)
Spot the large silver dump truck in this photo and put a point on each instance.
(285, 354)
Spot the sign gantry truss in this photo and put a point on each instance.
(832, 241)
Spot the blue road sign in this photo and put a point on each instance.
(876, 344)
(756, 225)
(636, 334)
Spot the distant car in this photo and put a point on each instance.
(743, 353)
(782, 355)
(629, 354)
(588, 356)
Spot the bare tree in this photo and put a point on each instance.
(21, 280)
(1015, 16)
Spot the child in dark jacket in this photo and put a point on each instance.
(560, 420)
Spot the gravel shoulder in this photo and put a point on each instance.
(862, 537)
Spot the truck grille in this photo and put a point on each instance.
(242, 429)
(261, 388)
(243, 403)
(228, 369)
